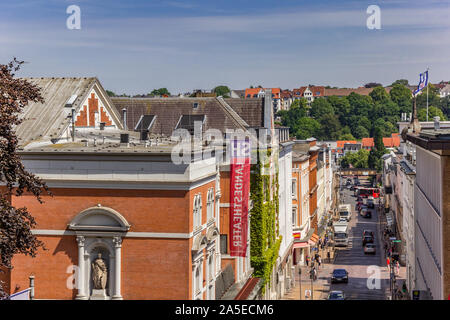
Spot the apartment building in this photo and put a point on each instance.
(432, 211)
(300, 207)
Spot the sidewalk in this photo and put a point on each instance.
(401, 275)
(321, 286)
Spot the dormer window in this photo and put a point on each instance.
(195, 105)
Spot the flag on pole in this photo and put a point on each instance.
(423, 82)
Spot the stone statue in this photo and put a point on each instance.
(99, 273)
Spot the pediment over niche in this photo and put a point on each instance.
(99, 219)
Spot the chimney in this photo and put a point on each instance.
(268, 109)
(415, 124)
(124, 138)
(436, 122)
(124, 116)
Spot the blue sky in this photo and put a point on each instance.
(135, 46)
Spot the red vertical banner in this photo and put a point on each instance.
(240, 191)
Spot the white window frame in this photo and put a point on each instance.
(294, 216)
(294, 188)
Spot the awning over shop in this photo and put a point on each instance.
(301, 245)
(314, 238)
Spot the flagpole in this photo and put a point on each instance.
(428, 78)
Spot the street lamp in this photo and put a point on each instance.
(312, 280)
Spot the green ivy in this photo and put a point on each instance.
(264, 234)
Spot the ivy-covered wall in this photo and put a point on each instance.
(264, 230)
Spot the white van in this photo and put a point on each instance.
(345, 211)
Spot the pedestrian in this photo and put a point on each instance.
(328, 257)
(317, 256)
(397, 266)
(388, 262)
(319, 261)
(314, 272)
(307, 260)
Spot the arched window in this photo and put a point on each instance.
(210, 204)
(197, 212)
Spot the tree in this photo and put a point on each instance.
(379, 95)
(320, 107)
(307, 128)
(361, 132)
(330, 127)
(433, 97)
(110, 93)
(292, 117)
(356, 159)
(15, 223)
(222, 91)
(403, 82)
(159, 92)
(374, 159)
(444, 105)
(360, 105)
(346, 137)
(341, 107)
(432, 112)
(372, 85)
(402, 96)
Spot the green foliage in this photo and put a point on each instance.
(320, 107)
(346, 136)
(403, 82)
(433, 97)
(374, 160)
(372, 85)
(160, 92)
(361, 132)
(356, 159)
(222, 91)
(264, 236)
(401, 95)
(330, 127)
(379, 95)
(110, 93)
(357, 115)
(432, 112)
(307, 127)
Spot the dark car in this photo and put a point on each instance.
(367, 233)
(367, 239)
(366, 213)
(336, 295)
(339, 275)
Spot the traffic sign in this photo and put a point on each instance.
(397, 241)
(392, 238)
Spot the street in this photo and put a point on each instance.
(353, 259)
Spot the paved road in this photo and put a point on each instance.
(356, 262)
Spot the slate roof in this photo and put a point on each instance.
(221, 114)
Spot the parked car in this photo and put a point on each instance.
(370, 248)
(367, 239)
(339, 275)
(336, 295)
